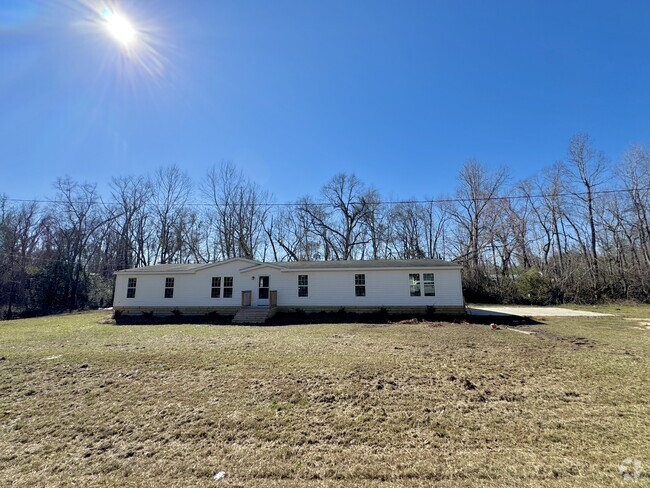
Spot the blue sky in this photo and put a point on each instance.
(400, 93)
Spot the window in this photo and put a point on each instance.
(130, 289)
(216, 287)
(303, 285)
(360, 285)
(429, 286)
(414, 282)
(169, 287)
(227, 286)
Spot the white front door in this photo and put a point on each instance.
(263, 291)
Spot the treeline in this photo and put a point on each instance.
(576, 232)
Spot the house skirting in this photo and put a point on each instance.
(191, 311)
(198, 311)
(394, 309)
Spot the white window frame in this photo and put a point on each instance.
(131, 286)
(169, 289)
(360, 284)
(215, 290)
(415, 285)
(228, 289)
(425, 282)
(303, 286)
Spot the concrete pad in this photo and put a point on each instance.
(529, 311)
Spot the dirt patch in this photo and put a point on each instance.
(575, 342)
(107, 320)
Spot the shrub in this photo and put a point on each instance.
(534, 287)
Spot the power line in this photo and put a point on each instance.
(370, 202)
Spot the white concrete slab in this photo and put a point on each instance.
(529, 311)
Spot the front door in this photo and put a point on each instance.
(263, 292)
(246, 298)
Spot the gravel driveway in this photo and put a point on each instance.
(526, 311)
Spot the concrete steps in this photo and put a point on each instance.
(253, 315)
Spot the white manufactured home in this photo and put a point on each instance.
(253, 290)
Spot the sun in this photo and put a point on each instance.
(119, 27)
(139, 40)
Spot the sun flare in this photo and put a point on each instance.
(140, 41)
(119, 27)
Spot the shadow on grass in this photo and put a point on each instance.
(501, 319)
(338, 317)
(149, 318)
(383, 317)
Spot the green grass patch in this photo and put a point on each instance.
(626, 309)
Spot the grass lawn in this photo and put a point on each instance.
(323, 405)
(626, 309)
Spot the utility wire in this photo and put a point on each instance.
(370, 202)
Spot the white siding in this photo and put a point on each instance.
(383, 288)
(326, 288)
(190, 290)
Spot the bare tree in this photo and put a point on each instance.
(341, 222)
(131, 196)
(408, 232)
(477, 190)
(171, 190)
(238, 211)
(80, 215)
(294, 236)
(376, 224)
(434, 221)
(588, 168)
(634, 173)
(19, 233)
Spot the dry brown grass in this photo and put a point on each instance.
(421, 404)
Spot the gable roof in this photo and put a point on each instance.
(369, 264)
(162, 268)
(188, 268)
(298, 265)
